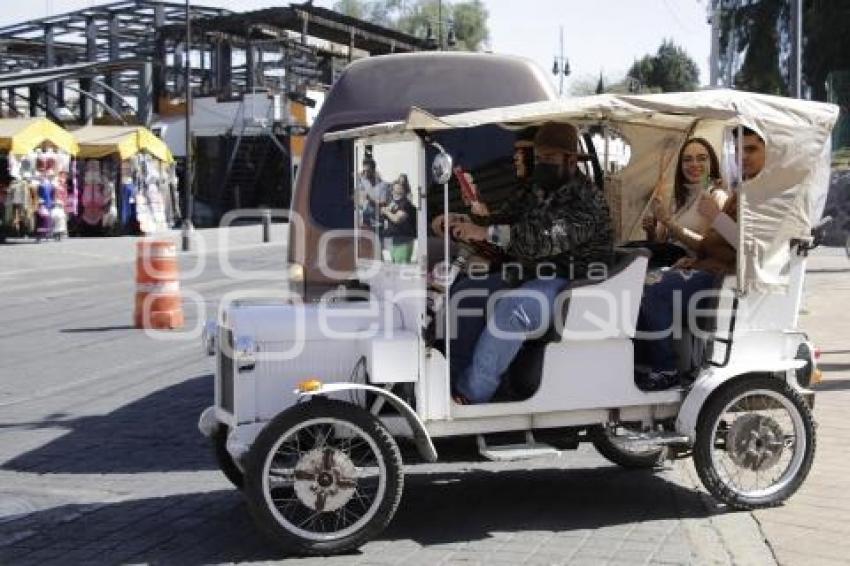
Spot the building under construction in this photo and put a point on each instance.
(251, 76)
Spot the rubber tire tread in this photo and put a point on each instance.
(224, 460)
(322, 407)
(702, 447)
(610, 452)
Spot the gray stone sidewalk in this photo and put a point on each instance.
(813, 527)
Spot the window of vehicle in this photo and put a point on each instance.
(486, 153)
(612, 148)
(331, 203)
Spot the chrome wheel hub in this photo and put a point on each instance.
(325, 479)
(755, 442)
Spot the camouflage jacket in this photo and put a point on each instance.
(569, 227)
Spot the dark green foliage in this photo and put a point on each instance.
(469, 18)
(670, 70)
(763, 31)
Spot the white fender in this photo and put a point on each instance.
(711, 379)
(420, 435)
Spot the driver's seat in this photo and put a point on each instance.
(594, 310)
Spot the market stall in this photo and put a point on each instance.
(131, 168)
(38, 195)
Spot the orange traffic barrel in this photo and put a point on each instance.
(158, 303)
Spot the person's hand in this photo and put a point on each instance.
(660, 210)
(469, 232)
(708, 207)
(478, 208)
(685, 263)
(438, 223)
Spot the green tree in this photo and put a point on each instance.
(827, 43)
(354, 8)
(759, 30)
(762, 32)
(670, 70)
(468, 16)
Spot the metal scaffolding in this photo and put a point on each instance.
(129, 56)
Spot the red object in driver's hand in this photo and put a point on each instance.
(469, 192)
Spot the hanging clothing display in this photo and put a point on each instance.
(136, 158)
(92, 200)
(72, 202)
(42, 221)
(45, 192)
(128, 204)
(35, 153)
(58, 221)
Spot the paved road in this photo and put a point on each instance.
(101, 461)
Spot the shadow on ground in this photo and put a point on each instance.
(96, 329)
(437, 508)
(832, 385)
(157, 433)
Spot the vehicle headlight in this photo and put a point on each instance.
(208, 336)
(295, 278)
(295, 272)
(245, 353)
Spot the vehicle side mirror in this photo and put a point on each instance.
(441, 168)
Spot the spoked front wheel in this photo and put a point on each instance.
(324, 477)
(223, 458)
(755, 442)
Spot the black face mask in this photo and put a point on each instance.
(547, 176)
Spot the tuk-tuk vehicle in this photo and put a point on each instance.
(313, 398)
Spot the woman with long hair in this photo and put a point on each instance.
(680, 222)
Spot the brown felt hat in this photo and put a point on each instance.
(559, 135)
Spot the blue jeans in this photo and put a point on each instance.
(469, 301)
(657, 311)
(516, 315)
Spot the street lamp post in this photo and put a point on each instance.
(187, 227)
(633, 85)
(441, 41)
(561, 66)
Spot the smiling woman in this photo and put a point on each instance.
(697, 174)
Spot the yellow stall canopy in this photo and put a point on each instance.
(20, 136)
(126, 141)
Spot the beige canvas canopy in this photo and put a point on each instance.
(781, 203)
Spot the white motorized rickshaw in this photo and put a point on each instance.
(312, 399)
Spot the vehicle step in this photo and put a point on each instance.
(521, 451)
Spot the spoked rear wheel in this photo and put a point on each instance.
(618, 451)
(755, 443)
(324, 477)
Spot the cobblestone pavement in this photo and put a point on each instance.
(101, 460)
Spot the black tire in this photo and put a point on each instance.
(286, 425)
(222, 457)
(616, 454)
(712, 411)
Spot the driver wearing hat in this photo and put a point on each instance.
(560, 232)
